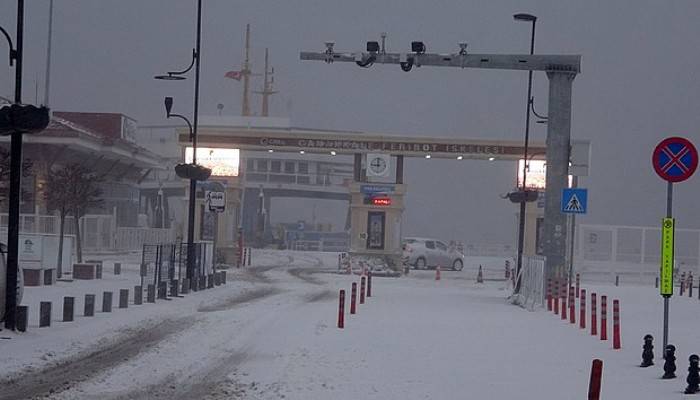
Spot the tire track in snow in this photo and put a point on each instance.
(237, 300)
(46, 382)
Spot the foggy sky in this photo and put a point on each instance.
(639, 83)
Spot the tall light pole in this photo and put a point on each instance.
(523, 203)
(190, 171)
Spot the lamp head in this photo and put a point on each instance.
(168, 106)
(169, 77)
(525, 17)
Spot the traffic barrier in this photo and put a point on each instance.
(353, 297)
(616, 324)
(595, 382)
(594, 316)
(480, 275)
(578, 283)
(572, 306)
(603, 317)
(582, 309)
(647, 351)
(369, 283)
(362, 290)
(341, 309)
(556, 297)
(549, 294)
(68, 308)
(44, 314)
(437, 273)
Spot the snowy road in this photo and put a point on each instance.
(270, 334)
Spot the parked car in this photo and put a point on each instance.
(423, 253)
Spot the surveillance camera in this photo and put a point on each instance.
(418, 47)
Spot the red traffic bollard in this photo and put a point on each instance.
(603, 317)
(362, 290)
(341, 310)
(578, 285)
(353, 298)
(549, 294)
(582, 309)
(616, 324)
(563, 307)
(596, 380)
(594, 316)
(572, 305)
(556, 298)
(369, 283)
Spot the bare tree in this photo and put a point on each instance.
(5, 175)
(73, 189)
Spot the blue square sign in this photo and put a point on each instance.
(574, 201)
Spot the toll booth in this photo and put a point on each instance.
(376, 212)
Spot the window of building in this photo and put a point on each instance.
(276, 166)
(303, 168)
(262, 165)
(289, 167)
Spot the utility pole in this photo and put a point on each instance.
(47, 82)
(267, 86)
(245, 71)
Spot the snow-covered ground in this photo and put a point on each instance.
(271, 333)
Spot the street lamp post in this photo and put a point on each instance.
(178, 75)
(523, 204)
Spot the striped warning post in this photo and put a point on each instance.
(594, 316)
(582, 310)
(603, 317)
(616, 324)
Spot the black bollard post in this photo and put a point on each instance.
(68, 306)
(138, 295)
(693, 375)
(648, 351)
(210, 281)
(202, 282)
(690, 285)
(617, 280)
(22, 316)
(223, 277)
(151, 294)
(185, 286)
(162, 290)
(44, 314)
(250, 256)
(217, 278)
(89, 309)
(669, 362)
(656, 282)
(107, 302)
(369, 283)
(195, 284)
(123, 298)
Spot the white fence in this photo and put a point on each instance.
(98, 232)
(532, 286)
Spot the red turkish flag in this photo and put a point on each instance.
(234, 75)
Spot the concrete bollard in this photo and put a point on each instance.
(603, 317)
(138, 295)
(162, 290)
(123, 298)
(22, 318)
(647, 351)
(693, 378)
(89, 309)
(341, 309)
(151, 294)
(185, 286)
(594, 315)
(44, 314)
(117, 268)
(669, 362)
(68, 308)
(616, 324)
(174, 286)
(594, 384)
(107, 302)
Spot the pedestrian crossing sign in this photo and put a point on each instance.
(574, 201)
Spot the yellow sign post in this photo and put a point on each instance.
(667, 246)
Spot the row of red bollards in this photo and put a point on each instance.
(365, 288)
(558, 295)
